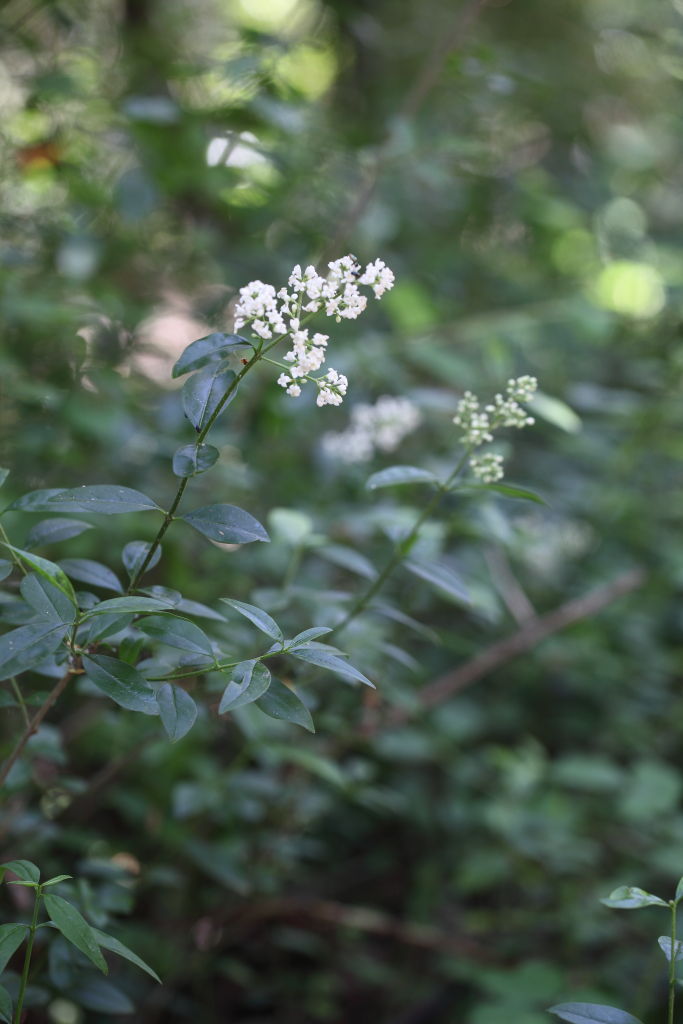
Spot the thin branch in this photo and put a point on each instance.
(508, 586)
(34, 724)
(528, 637)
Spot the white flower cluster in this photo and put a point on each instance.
(479, 424)
(274, 315)
(380, 426)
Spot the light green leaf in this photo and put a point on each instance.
(630, 897)
(114, 946)
(212, 348)
(282, 703)
(74, 928)
(555, 411)
(51, 531)
(177, 709)
(47, 600)
(193, 459)
(665, 946)
(48, 570)
(307, 635)
(179, 633)
(56, 880)
(85, 570)
(250, 680)
(24, 869)
(104, 499)
(679, 891)
(324, 658)
(592, 1013)
(441, 576)
(260, 619)
(11, 937)
(4, 473)
(348, 559)
(506, 490)
(123, 683)
(204, 391)
(396, 475)
(226, 524)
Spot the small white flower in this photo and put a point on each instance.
(487, 467)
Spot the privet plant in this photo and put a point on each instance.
(628, 897)
(140, 647)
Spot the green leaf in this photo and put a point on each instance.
(6, 1009)
(4, 473)
(400, 475)
(104, 499)
(123, 683)
(36, 501)
(74, 928)
(25, 647)
(93, 573)
(440, 576)
(260, 619)
(122, 605)
(134, 554)
(48, 570)
(309, 761)
(282, 703)
(114, 946)
(226, 524)
(49, 602)
(307, 635)
(349, 559)
(26, 870)
(177, 709)
(250, 680)
(332, 662)
(665, 946)
(679, 891)
(11, 937)
(50, 531)
(212, 348)
(555, 411)
(6, 567)
(179, 633)
(56, 880)
(506, 490)
(97, 994)
(204, 391)
(630, 897)
(192, 459)
(592, 1013)
(201, 611)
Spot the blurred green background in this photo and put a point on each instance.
(519, 164)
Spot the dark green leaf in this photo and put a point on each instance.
(121, 605)
(201, 611)
(250, 680)
(226, 524)
(48, 570)
(36, 501)
(349, 559)
(74, 928)
(26, 870)
(179, 633)
(123, 683)
(100, 995)
(204, 391)
(441, 576)
(507, 491)
(332, 662)
(192, 459)
(134, 554)
(50, 531)
(177, 709)
(101, 626)
(282, 703)
(47, 600)
(260, 619)
(11, 937)
(665, 946)
(114, 946)
(400, 475)
(104, 499)
(6, 1010)
(5, 568)
(592, 1013)
(86, 571)
(212, 348)
(25, 647)
(630, 897)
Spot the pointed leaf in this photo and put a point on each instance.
(4, 473)
(212, 348)
(50, 531)
(123, 683)
(74, 928)
(332, 662)
(506, 490)
(6, 567)
(134, 554)
(282, 703)
(85, 570)
(204, 391)
(400, 475)
(36, 501)
(47, 600)
(6, 1010)
(250, 680)
(201, 611)
(630, 897)
(11, 937)
(440, 576)
(665, 946)
(192, 459)
(26, 870)
(307, 635)
(177, 709)
(123, 605)
(679, 891)
(179, 633)
(48, 570)
(349, 559)
(114, 946)
(260, 619)
(27, 646)
(56, 880)
(226, 524)
(592, 1013)
(104, 499)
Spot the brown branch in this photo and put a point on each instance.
(529, 636)
(445, 44)
(34, 724)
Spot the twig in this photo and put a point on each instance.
(508, 586)
(34, 725)
(529, 636)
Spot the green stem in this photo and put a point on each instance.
(672, 966)
(15, 558)
(27, 958)
(401, 552)
(20, 699)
